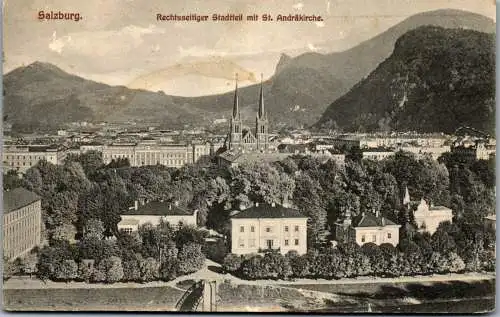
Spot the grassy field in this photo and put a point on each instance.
(425, 297)
(419, 290)
(151, 298)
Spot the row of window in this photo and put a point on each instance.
(27, 157)
(269, 243)
(144, 155)
(26, 211)
(269, 229)
(374, 237)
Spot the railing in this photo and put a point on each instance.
(195, 289)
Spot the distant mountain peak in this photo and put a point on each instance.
(283, 62)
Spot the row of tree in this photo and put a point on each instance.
(153, 253)
(350, 260)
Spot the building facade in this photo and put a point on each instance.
(155, 212)
(21, 158)
(268, 227)
(171, 155)
(367, 228)
(428, 217)
(22, 222)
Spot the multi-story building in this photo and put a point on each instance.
(377, 154)
(154, 212)
(268, 227)
(428, 217)
(151, 153)
(22, 157)
(22, 222)
(367, 228)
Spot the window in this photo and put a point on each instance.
(363, 238)
(268, 229)
(251, 243)
(389, 236)
(374, 238)
(296, 241)
(252, 229)
(242, 229)
(269, 244)
(296, 228)
(286, 242)
(286, 228)
(241, 243)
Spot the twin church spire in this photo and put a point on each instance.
(244, 140)
(236, 104)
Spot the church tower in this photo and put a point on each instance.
(235, 129)
(262, 125)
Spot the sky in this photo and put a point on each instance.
(120, 42)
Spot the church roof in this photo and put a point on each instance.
(268, 211)
(368, 220)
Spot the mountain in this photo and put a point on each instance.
(304, 86)
(326, 77)
(436, 80)
(41, 95)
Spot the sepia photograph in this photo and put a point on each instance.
(319, 156)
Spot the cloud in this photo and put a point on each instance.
(311, 47)
(56, 44)
(102, 43)
(214, 67)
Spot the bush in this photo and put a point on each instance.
(191, 259)
(232, 263)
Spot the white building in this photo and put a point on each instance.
(428, 217)
(153, 213)
(263, 227)
(367, 228)
(21, 158)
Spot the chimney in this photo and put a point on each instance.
(136, 205)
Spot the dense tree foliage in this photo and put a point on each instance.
(85, 196)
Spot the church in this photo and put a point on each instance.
(244, 145)
(241, 138)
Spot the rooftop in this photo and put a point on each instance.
(368, 220)
(268, 211)
(158, 208)
(18, 198)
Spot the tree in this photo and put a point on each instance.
(169, 269)
(94, 229)
(67, 270)
(190, 257)
(149, 269)
(442, 242)
(112, 269)
(132, 269)
(9, 269)
(85, 271)
(232, 263)
(456, 264)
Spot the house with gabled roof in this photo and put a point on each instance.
(367, 228)
(264, 227)
(154, 212)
